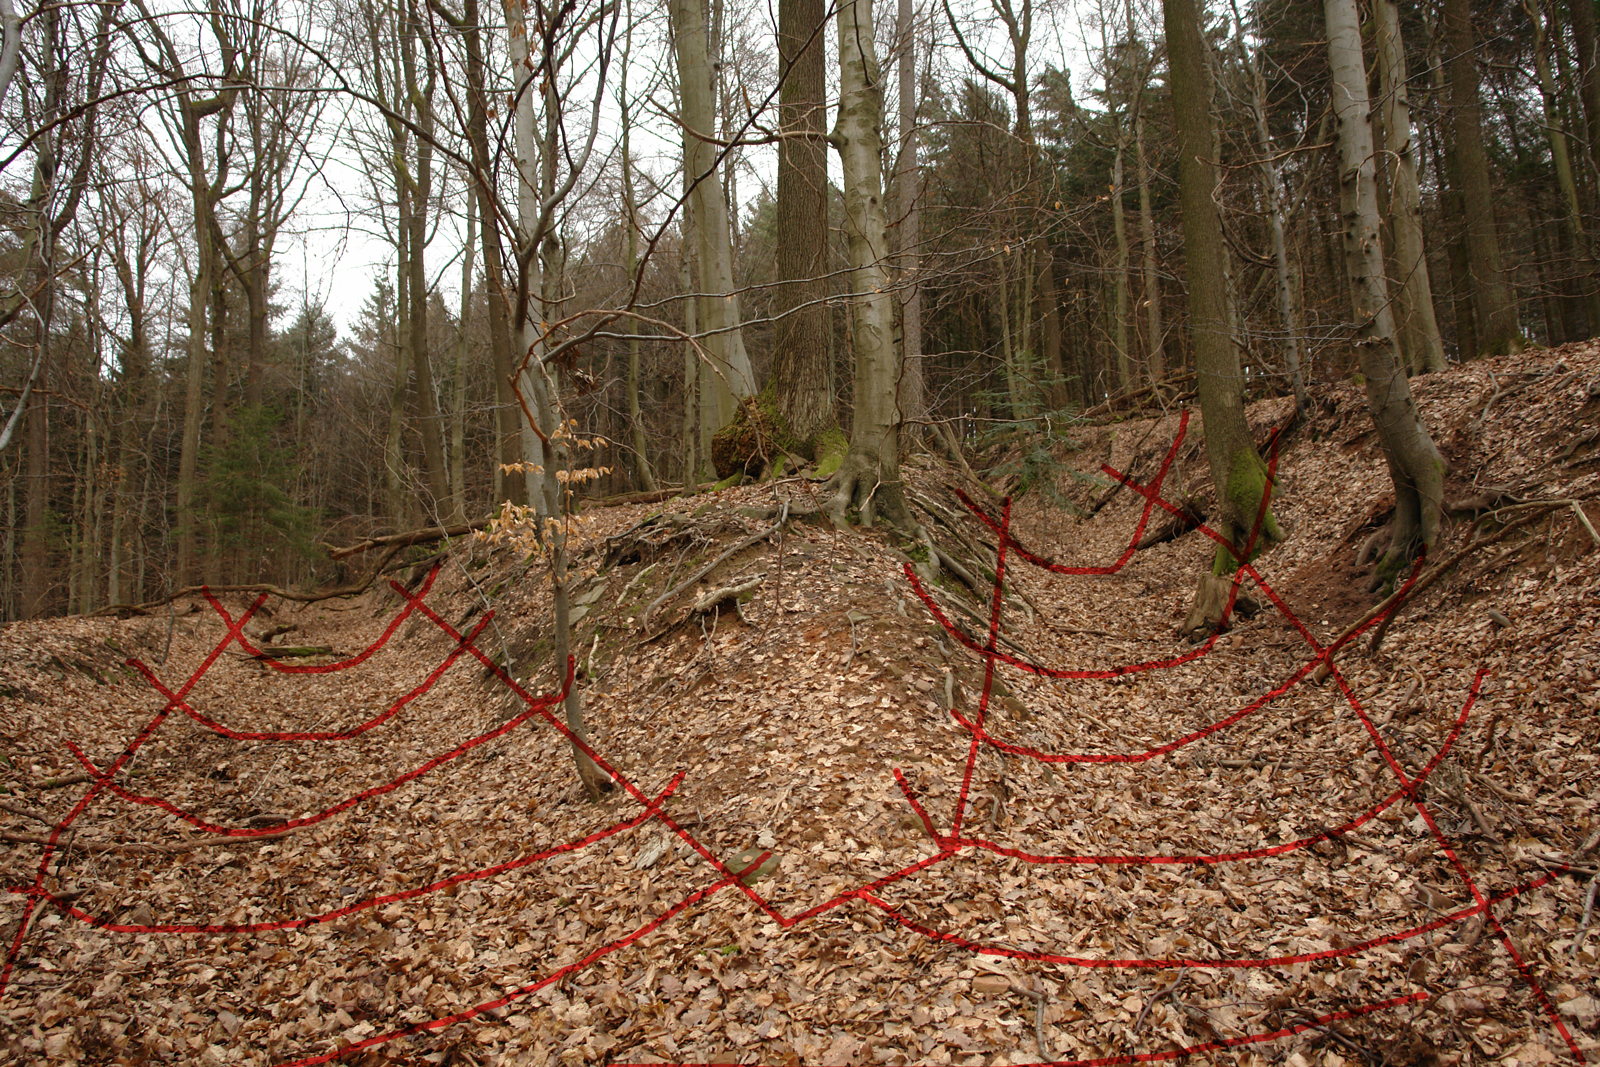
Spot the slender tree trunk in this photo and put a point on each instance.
(535, 386)
(415, 222)
(499, 298)
(397, 497)
(458, 405)
(1557, 137)
(1496, 310)
(1584, 44)
(35, 591)
(645, 477)
(731, 377)
(1237, 470)
(1126, 376)
(1415, 465)
(1149, 261)
(913, 400)
(870, 474)
(1419, 328)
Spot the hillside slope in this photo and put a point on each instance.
(1096, 842)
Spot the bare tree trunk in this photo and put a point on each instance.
(644, 474)
(802, 377)
(731, 377)
(1126, 376)
(1498, 331)
(870, 474)
(1419, 328)
(1149, 262)
(1237, 470)
(1415, 465)
(913, 400)
(537, 199)
(1557, 137)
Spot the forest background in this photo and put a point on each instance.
(172, 411)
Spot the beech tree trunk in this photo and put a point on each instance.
(731, 377)
(1237, 469)
(1413, 292)
(1498, 331)
(1415, 465)
(869, 477)
(802, 376)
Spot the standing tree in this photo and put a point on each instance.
(869, 477)
(1414, 463)
(802, 371)
(1494, 309)
(731, 378)
(1413, 292)
(1237, 470)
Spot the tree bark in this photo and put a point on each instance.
(802, 376)
(1498, 331)
(1415, 465)
(731, 378)
(1237, 470)
(869, 477)
(1419, 328)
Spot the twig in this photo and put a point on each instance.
(1164, 991)
(783, 517)
(423, 536)
(1588, 913)
(1394, 601)
(26, 813)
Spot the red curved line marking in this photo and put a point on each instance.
(1148, 754)
(48, 852)
(539, 707)
(1199, 963)
(371, 902)
(360, 657)
(1046, 672)
(1405, 792)
(1138, 530)
(1316, 1022)
(332, 735)
(522, 991)
(1461, 870)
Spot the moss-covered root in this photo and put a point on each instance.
(1247, 484)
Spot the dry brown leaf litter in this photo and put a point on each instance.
(787, 721)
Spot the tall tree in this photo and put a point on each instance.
(1415, 465)
(1419, 327)
(1237, 469)
(802, 372)
(1495, 310)
(869, 477)
(190, 117)
(731, 377)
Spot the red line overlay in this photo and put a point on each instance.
(949, 845)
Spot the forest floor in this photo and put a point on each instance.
(1087, 840)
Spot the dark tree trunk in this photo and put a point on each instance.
(1496, 312)
(1237, 470)
(801, 373)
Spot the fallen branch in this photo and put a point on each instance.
(1115, 402)
(1396, 600)
(710, 601)
(783, 517)
(424, 536)
(953, 448)
(137, 850)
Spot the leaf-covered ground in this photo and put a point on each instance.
(1133, 849)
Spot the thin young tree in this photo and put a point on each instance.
(1415, 465)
